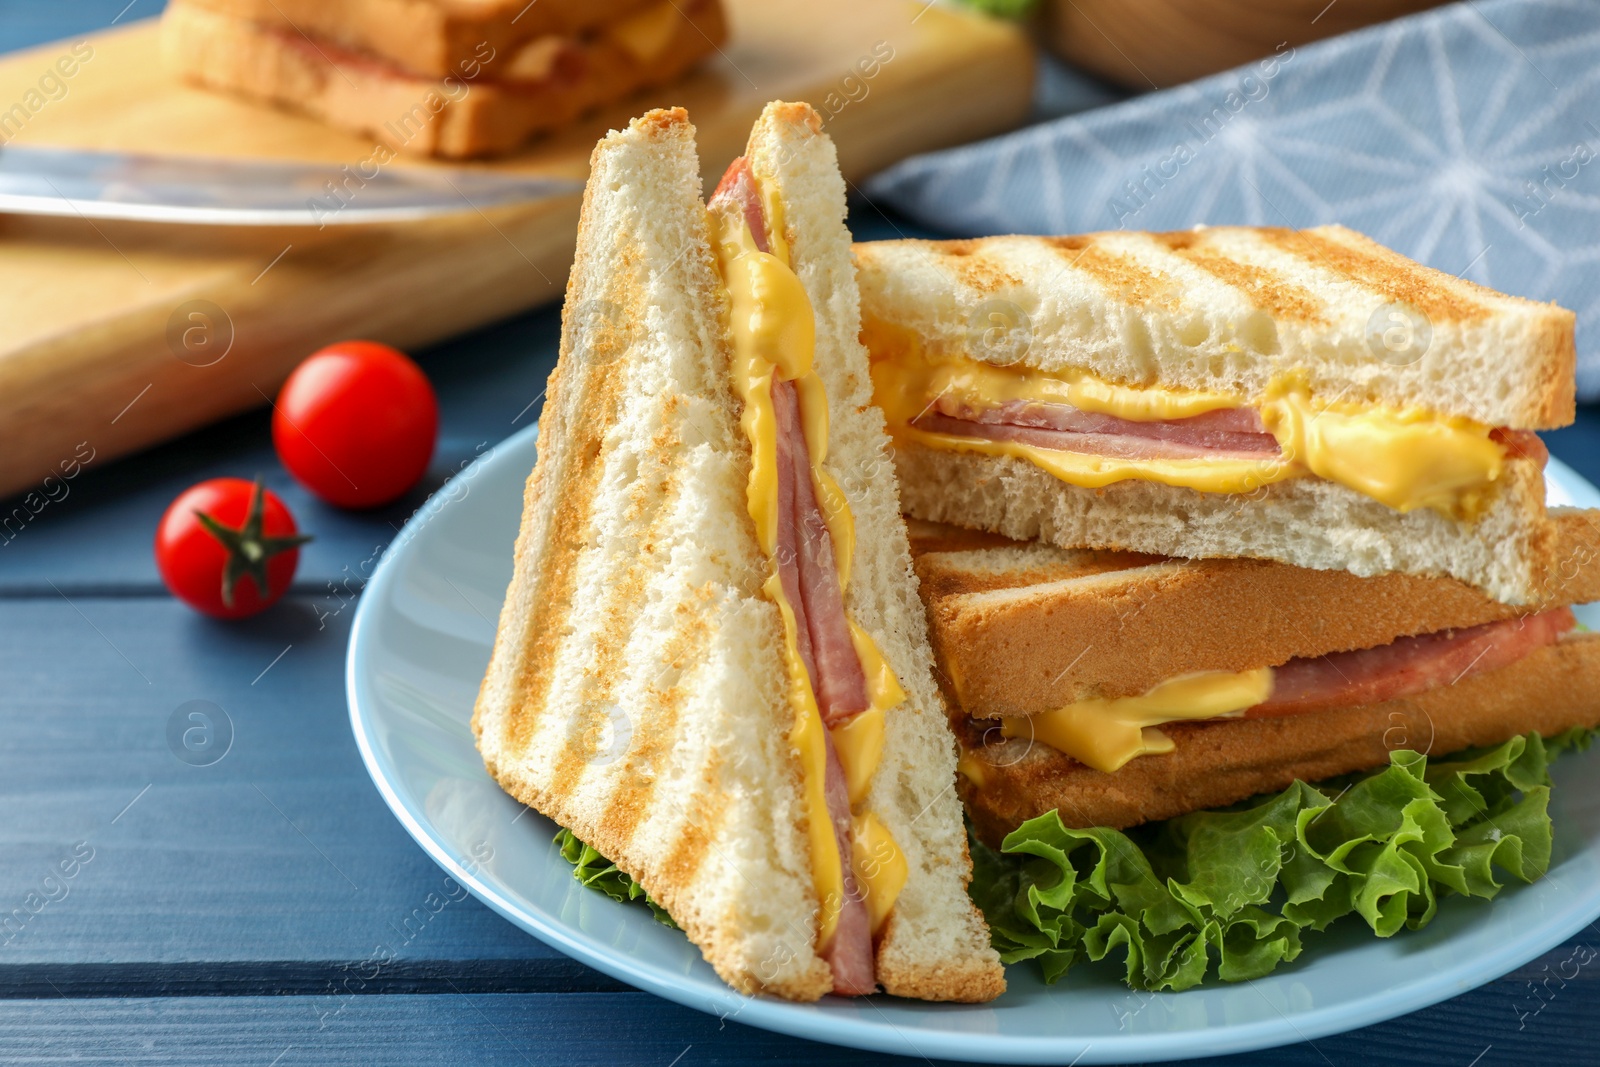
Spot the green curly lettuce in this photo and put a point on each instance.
(1233, 892)
(596, 872)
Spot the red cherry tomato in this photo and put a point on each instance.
(227, 547)
(356, 424)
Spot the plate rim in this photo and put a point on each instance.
(801, 1020)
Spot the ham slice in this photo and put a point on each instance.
(1408, 665)
(1522, 444)
(810, 579)
(737, 189)
(837, 679)
(1233, 433)
(1228, 433)
(849, 951)
(787, 552)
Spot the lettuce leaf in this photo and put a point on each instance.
(596, 872)
(1232, 893)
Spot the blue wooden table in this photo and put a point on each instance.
(235, 912)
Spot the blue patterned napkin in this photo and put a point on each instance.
(1467, 137)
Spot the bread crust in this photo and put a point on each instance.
(431, 38)
(1023, 628)
(1555, 688)
(457, 115)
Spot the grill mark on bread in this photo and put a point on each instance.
(1397, 279)
(980, 273)
(572, 509)
(702, 822)
(622, 609)
(1265, 289)
(655, 734)
(1123, 278)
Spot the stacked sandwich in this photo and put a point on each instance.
(452, 78)
(1289, 510)
(1196, 517)
(712, 568)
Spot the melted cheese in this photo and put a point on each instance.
(1106, 733)
(808, 739)
(880, 867)
(773, 332)
(1406, 459)
(647, 34)
(974, 769)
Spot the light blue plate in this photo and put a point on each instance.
(421, 642)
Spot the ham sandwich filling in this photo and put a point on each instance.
(1091, 432)
(1226, 433)
(840, 685)
(1106, 733)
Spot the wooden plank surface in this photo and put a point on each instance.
(1480, 1029)
(280, 850)
(87, 353)
(491, 383)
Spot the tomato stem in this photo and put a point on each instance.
(248, 547)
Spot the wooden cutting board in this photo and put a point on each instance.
(119, 335)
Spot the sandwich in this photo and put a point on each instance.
(1308, 397)
(446, 78)
(712, 666)
(1117, 689)
(1190, 765)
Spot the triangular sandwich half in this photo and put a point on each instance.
(1306, 396)
(712, 567)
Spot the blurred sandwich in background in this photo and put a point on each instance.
(449, 78)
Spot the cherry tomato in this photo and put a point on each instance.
(356, 423)
(228, 548)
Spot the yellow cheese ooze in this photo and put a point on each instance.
(859, 744)
(879, 866)
(1107, 733)
(974, 769)
(1406, 459)
(771, 317)
(809, 741)
(773, 332)
(647, 34)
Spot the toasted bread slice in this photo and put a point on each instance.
(436, 38)
(1241, 313)
(472, 111)
(1216, 763)
(1228, 309)
(638, 591)
(1024, 627)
